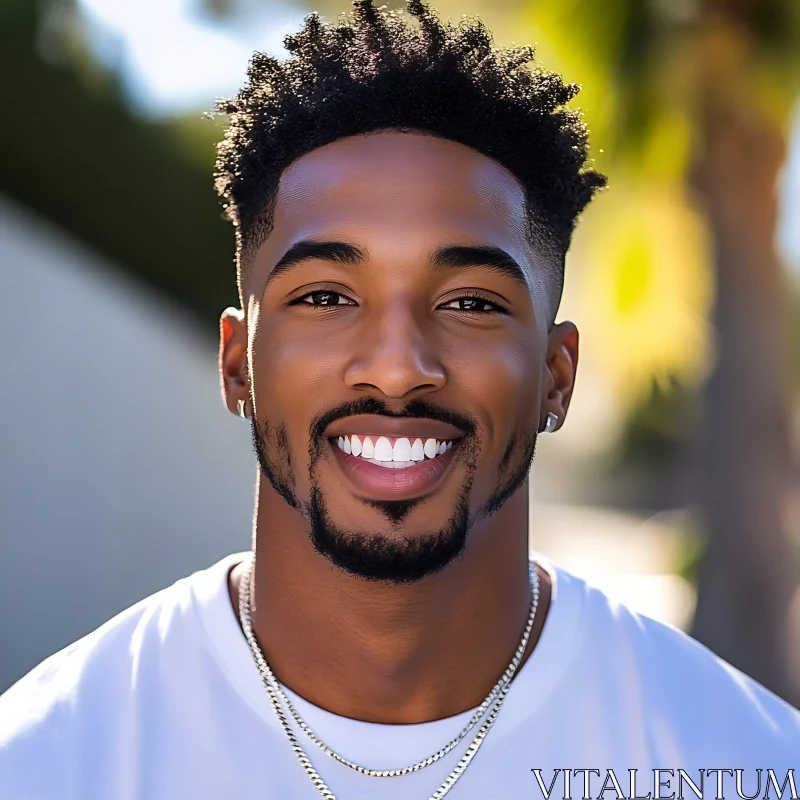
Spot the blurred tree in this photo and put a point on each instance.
(140, 192)
(698, 94)
(747, 69)
(733, 68)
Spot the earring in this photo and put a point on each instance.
(240, 404)
(551, 422)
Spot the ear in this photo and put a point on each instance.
(234, 381)
(560, 370)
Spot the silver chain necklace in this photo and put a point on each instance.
(492, 703)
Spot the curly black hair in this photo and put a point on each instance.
(380, 70)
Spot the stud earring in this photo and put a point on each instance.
(240, 404)
(551, 422)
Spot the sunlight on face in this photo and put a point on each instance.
(396, 298)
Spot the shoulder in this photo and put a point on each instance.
(70, 705)
(681, 689)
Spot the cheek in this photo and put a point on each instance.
(515, 414)
(515, 382)
(294, 372)
(294, 366)
(504, 383)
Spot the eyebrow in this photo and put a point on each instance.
(308, 250)
(495, 258)
(443, 258)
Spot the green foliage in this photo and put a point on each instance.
(659, 426)
(139, 192)
(634, 274)
(692, 548)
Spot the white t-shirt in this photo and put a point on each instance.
(164, 701)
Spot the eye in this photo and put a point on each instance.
(323, 297)
(474, 304)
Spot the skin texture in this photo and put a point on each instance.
(379, 650)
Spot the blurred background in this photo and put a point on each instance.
(675, 484)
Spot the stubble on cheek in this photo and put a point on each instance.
(271, 446)
(512, 469)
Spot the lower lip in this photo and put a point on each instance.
(382, 483)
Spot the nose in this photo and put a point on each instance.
(395, 357)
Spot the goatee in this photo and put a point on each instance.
(375, 556)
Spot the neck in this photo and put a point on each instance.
(383, 652)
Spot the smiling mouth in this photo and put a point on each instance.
(393, 467)
(393, 452)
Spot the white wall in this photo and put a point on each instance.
(120, 469)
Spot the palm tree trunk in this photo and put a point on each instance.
(742, 448)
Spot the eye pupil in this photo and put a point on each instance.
(473, 304)
(326, 298)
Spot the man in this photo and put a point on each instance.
(403, 196)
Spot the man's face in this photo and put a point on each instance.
(396, 357)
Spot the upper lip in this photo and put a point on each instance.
(377, 425)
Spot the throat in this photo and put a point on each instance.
(384, 652)
(410, 667)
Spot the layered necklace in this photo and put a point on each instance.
(486, 713)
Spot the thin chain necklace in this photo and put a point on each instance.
(492, 703)
(506, 677)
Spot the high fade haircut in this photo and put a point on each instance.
(378, 69)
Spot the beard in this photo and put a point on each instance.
(374, 556)
(516, 463)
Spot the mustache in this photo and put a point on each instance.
(420, 409)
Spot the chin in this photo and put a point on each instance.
(388, 558)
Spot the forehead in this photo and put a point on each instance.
(394, 166)
(415, 190)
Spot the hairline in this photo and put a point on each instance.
(537, 236)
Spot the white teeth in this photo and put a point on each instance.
(401, 450)
(402, 454)
(383, 449)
